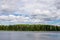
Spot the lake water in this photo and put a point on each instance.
(13, 35)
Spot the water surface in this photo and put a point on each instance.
(13, 35)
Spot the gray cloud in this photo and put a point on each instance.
(57, 4)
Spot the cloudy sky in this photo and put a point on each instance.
(30, 12)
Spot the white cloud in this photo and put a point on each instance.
(13, 18)
(38, 11)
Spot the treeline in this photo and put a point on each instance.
(27, 27)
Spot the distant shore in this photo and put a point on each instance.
(27, 27)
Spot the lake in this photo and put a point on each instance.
(17, 35)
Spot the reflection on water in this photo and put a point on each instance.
(5, 35)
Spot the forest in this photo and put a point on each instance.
(29, 27)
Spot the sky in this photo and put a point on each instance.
(30, 12)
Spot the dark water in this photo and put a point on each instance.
(5, 35)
